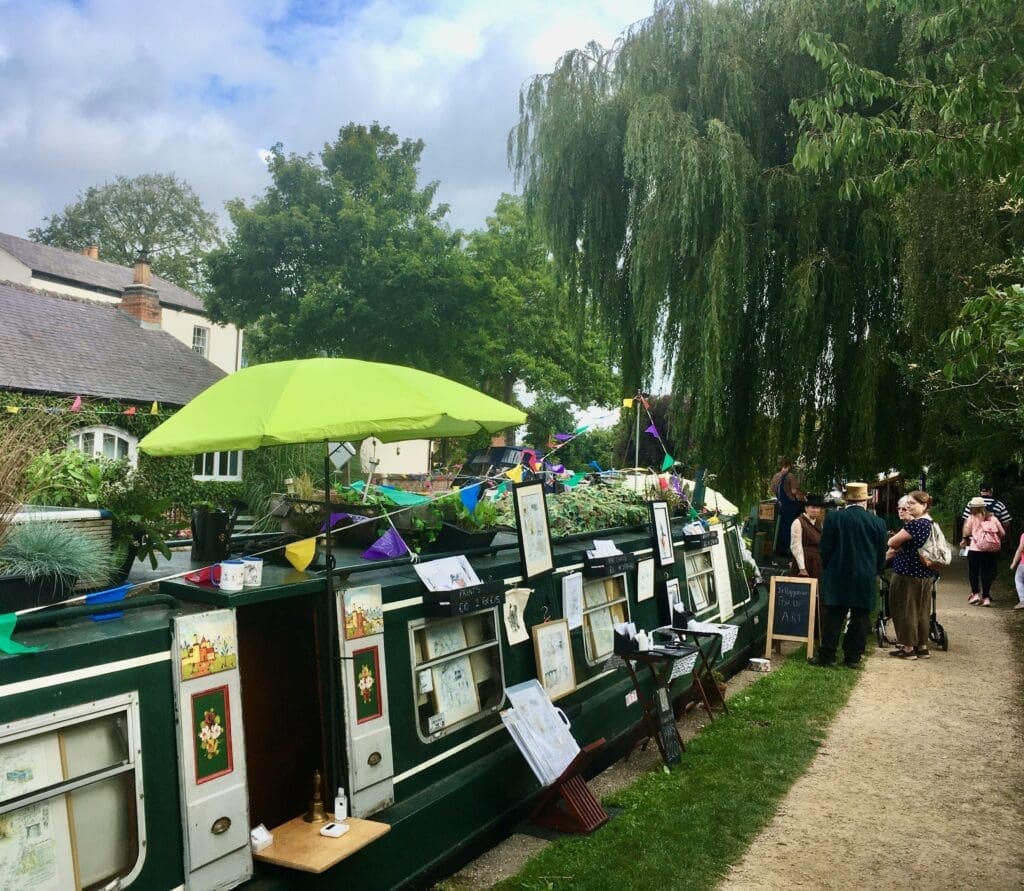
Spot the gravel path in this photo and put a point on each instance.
(920, 781)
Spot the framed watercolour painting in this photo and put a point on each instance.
(534, 536)
(553, 649)
(644, 580)
(673, 596)
(661, 525)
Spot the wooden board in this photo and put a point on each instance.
(299, 845)
(792, 603)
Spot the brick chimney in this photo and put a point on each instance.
(92, 252)
(139, 299)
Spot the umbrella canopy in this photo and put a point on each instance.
(320, 400)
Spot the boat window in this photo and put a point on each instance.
(457, 671)
(70, 797)
(105, 442)
(604, 605)
(224, 466)
(700, 581)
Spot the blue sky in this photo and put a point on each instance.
(98, 88)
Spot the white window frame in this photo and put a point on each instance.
(593, 659)
(98, 431)
(203, 340)
(53, 721)
(705, 578)
(217, 476)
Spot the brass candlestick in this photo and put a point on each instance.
(316, 812)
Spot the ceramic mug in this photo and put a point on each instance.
(253, 571)
(229, 575)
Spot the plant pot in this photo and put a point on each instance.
(452, 538)
(18, 592)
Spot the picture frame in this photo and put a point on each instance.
(572, 599)
(442, 638)
(673, 596)
(455, 695)
(533, 529)
(552, 647)
(661, 532)
(644, 580)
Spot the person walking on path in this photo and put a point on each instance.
(983, 537)
(910, 592)
(805, 539)
(853, 544)
(785, 487)
(1018, 576)
(994, 505)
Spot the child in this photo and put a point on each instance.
(1018, 578)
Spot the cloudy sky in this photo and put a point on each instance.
(96, 88)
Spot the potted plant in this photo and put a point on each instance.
(461, 530)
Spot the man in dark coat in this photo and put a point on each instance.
(853, 544)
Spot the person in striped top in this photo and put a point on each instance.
(992, 504)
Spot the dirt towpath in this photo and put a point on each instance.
(920, 782)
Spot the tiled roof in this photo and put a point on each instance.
(80, 269)
(52, 343)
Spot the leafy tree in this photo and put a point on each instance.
(156, 214)
(345, 255)
(660, 173)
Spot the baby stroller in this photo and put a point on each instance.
(885, 633)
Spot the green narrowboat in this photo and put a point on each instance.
(143, 740)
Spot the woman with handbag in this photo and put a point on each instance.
(910, 590)
(983, 537)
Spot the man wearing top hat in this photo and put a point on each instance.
(853, 544)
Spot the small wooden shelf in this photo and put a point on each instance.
(299, 845)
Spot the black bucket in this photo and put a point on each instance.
(210, 535)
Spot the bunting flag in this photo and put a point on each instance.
(202, 576)
(11, 647)
(470, 496)
(668, 462)
(677, 485)
(582, 429)
(627, 403)
(130, 410)
(645, 403)
(574, 480)
(596, 466)
(155, 410)
(515, 474)
(502, 489)
(300, 553)
(77, 404)
(563, 437)
(387, 547)
(653, 431)
(111, 595)
(12, 409)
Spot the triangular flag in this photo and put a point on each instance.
(387, 547)
(515, 474)
(668, 462)
(11, 647)
(130, 410)
(582, 429)
(12, 409)
(299, 553)
(596, 466)
(111, 595)
(653, 431)
(469, 497)
(563, 437)
(574, 480)
(502, 489)
(77, 404)
(155, 410)
(627, 403)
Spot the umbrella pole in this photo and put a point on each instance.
(333, 671)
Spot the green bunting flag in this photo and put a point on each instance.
(668, 462)
(11, 647)
(574, 480)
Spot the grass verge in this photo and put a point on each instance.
(695, 822)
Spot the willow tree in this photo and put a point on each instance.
(660, 170)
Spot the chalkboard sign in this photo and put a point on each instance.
(667, 731)
(792, 603)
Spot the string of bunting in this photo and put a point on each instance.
(76, 407)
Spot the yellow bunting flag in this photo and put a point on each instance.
(13, 409)
(300, 553)
(627, 403)
(515, 474)
(154, 409)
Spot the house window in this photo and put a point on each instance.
(71, 796)
(604, 606)
(700, 580)
(224, 466)
(457, 671)
(201, 340)
(105, 442)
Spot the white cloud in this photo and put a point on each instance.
(113, 87)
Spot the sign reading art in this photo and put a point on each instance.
(792, 603)
(211, 734)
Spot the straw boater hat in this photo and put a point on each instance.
(856, 491)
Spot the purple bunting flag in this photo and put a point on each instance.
(563, 437)
(653, 431)
(387, 547)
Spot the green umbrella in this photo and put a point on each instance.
(320, 400)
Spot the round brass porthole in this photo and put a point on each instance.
(374, 759)
(221, 825)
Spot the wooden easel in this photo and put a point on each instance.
(568, 805)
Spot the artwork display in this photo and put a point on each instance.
(455, 694)
(447, 574)
(442, 638)
(553, 649)
(572, 599)
(514, 612)
(364, 612)
(534, 535)
(366, 679)
(673, 595)
(540, 730)
(211, 734)
(208, 644)
(698, 594)
(644, 580)
(661, 524)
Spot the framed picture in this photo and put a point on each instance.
(553, 649)
(211, 734)
(455, 693)
(673, 596)
(534, 536)
(443, 638)
(572, 599)
(697, 593)
(662, 527)
(644, 580)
